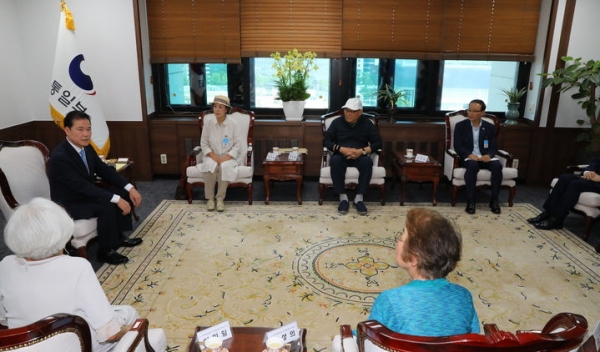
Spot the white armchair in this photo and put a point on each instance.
(456, 174)
(588, 204)
(325, 181)
(23, 166)
(193, 177)
(71, 333)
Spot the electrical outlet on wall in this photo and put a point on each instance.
(163, 158)
(515, 163)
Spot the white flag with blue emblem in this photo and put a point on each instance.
(71, 88)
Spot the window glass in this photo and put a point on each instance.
(195, 84)
(405, 79)
(465, 80)
(265, 92)
(367, 78)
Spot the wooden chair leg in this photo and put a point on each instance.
(321, 192)
(511, 195)
(82, 252)
(587, 227)
(189, 193)
(382, 194)
(249, 192)
(453, 196)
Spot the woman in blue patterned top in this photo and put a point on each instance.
(428, 249)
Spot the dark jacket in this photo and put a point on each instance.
(463, 139)
(362, 134)
(72, 186)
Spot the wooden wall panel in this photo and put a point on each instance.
(543, 153)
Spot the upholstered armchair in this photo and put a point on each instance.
(588, 204)
(563, 332)
(23, 167)
(456, 174)
(193, 177)
(325, 181)
(71, 333)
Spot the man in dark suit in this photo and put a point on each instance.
(479, 155)
(72, 169)
(565, 195)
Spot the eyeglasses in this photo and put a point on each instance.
(474, 111)
(350, 110)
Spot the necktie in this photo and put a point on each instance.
(82, 153)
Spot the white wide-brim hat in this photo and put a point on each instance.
(221, 99)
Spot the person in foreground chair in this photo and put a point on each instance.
(72, 169)
(475, 143)
(565, 195)
(428, 249)
(351, 140)
(220, 142)
(38, 280)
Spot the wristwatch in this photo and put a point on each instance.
(364, 151)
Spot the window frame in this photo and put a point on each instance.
(342, 86)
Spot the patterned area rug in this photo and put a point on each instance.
(269, 265)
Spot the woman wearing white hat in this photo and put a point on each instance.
(220, 142)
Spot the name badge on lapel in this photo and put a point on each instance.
(486, 143)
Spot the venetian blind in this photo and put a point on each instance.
(194, 31)
(281, 25)
(441, 29)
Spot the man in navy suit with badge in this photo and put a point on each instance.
(475, 143)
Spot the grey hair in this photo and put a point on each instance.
(38, 229)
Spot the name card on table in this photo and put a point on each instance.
(293, 156)
(288, 333)
(271, 156)
(422, 158)
(222, 330)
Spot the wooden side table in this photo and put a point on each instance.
(411, 170)
(283, 169)
(247, 338)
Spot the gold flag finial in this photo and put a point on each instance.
(69, 21)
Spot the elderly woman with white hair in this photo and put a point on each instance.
(39, 280)
(220, 142)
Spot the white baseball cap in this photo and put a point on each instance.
(353, 104)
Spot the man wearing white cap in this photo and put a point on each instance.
(351, 140)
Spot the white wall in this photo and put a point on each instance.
(13, 69)
(106, 37)
(583, 43)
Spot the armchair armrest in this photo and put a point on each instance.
(454, 155)
(324, 157)
(348, 342)
(249, 154)
(506, 155)
(380, 159)
(136, 335)
(576, 169)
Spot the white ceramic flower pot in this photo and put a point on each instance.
(293, 110)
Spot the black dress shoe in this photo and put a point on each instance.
(112, 257)
(543, 216)
(130, 242)
(495, 207)
(470, 209)
(549, 224)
